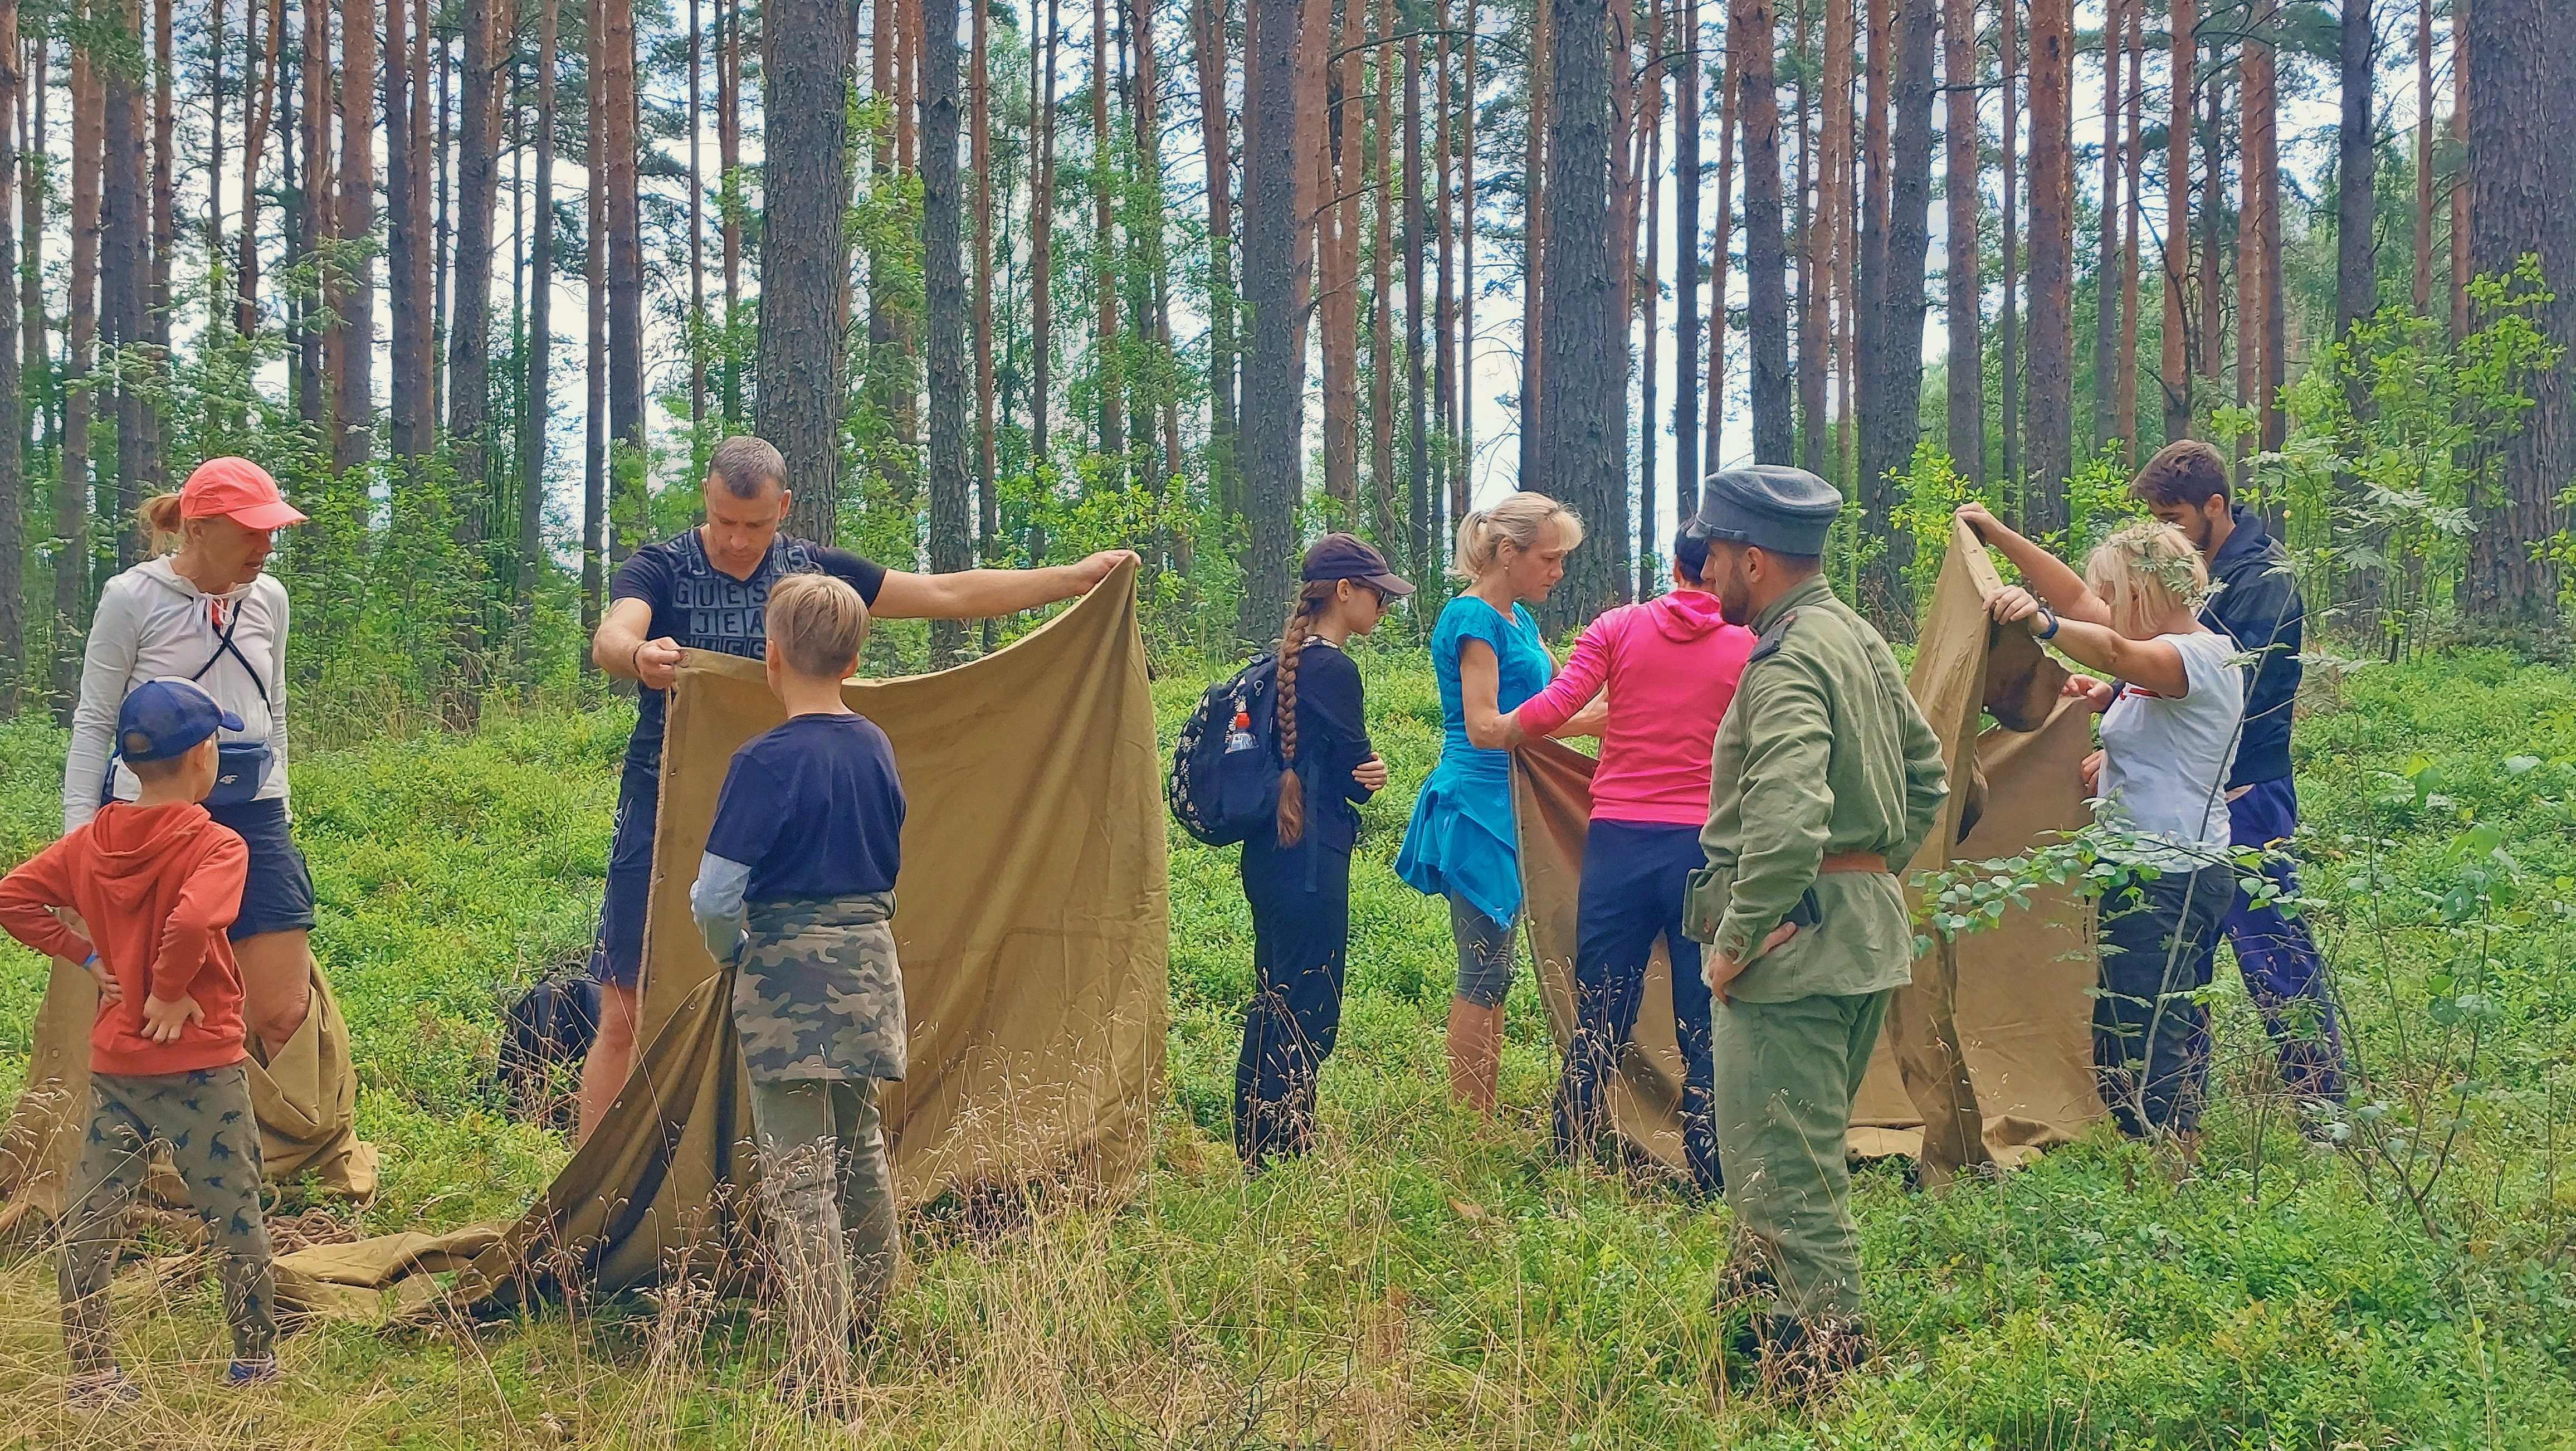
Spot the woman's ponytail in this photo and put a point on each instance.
(163, 526)
(1292, 643)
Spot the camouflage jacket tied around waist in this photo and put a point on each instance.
(817, 993)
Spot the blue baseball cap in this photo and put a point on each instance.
(166, 718)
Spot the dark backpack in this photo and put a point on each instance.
(546, 1033)
(1222, 797)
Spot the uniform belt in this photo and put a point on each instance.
(1852, 861)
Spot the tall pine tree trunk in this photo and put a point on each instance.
(1721, 248)
(124, 284)
(1534, 221)
(1107, 344)
(1822, 125)
(538, 410)
(1893, 371)
(613, 51)
(1338, 303)
(2424, 206)
(2133, 234)
(1274, 368)
(1765, 260)
(1583, 334)
(596, 532)
(13, 402)
(1966, 373)
(2522, 176)
(943, 277)
(1207, 39)
(1382, 292)
(1041, 243)
(1688, 77)
(804, 257)
(73, 561)
(2052, 261)
(408, 399)
(2008, 354)
(354, 390)
(2176, 369)
(2356, 150)
(1417, 428)
(469, 344)
(980, 106)
(2106, 298)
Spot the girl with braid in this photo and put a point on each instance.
(1298, 877)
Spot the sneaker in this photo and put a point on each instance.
(251, 1372)
(100, 1389)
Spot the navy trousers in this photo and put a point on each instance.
(1301, 938)
(1635, 875)
(2284, 974)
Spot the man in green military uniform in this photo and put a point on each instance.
(1825, 777)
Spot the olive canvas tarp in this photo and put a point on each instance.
(306, 1097)
(1995, 1038)
(1032, 920)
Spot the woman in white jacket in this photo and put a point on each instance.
(209, 613)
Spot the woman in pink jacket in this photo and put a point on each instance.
(1670, 667)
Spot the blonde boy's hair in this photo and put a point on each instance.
(818, 624)
(2146, 573)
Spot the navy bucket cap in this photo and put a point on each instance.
(1769, 506)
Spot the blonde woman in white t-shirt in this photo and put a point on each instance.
(2173, 706)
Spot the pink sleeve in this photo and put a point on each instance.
(1576, 684)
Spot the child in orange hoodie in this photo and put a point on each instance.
(156, 881)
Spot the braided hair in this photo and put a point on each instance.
(1312, 600)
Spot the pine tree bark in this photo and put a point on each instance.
(1687, 80)
(2106, 297)
(980, 105)
(1874, 200)
(730, 205)
(153, 475)
(804, 258)
(1721, 251)
(353, 403)
(407, 402)
(1337, 303)
(1146, 228)
(1650, 180)
(2052, 260)
(2461, 225)
(2008, 354)
(73, 562)
(2522, 179)
(1534, 220)
(613, 51)
(596, 535)
(697, 331)
(1207, 39)
(2180, 80)
(1966, 374)
(2356, 202)
(1382, 293)
(1445, 392)
(1893, 371)
(1274, 367)
(43, 401)
(2133, 165)
(1462, 491)
(1418, 461)
(1583, 333)
(1041, 245)
(2424, 157)
(538, 409)
(1822, 123)
(469, 344)
(13, 403)
(943, 279)
(313, 69)
(2259, 305)
(1751, 29)
(1106, 265)
(125, 284)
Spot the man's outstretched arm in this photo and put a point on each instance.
(978, 593)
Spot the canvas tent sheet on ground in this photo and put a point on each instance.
(2022, 1014)
(1032, 919)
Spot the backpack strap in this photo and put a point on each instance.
(224, 646)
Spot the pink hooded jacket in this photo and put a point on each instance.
(1671, 664)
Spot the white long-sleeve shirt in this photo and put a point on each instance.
(153, 622)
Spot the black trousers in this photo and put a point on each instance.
(1635, 875)
(1301, 936)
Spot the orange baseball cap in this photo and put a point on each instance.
(238, 489)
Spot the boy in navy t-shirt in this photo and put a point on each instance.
(796, 890)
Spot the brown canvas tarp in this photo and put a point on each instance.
(306, 1098)
(2012, 999)
(1032, 920)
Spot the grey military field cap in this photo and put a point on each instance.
(1769, 506)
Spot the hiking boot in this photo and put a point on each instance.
(251, 1372)
(1807, 1358)
(101, 1390)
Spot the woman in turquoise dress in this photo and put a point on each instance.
(1461, 844)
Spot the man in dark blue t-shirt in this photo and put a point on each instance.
(707, 588)
(2255, 599)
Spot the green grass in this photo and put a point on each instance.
(1424, 1280)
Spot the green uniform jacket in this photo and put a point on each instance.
(1823, 751)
